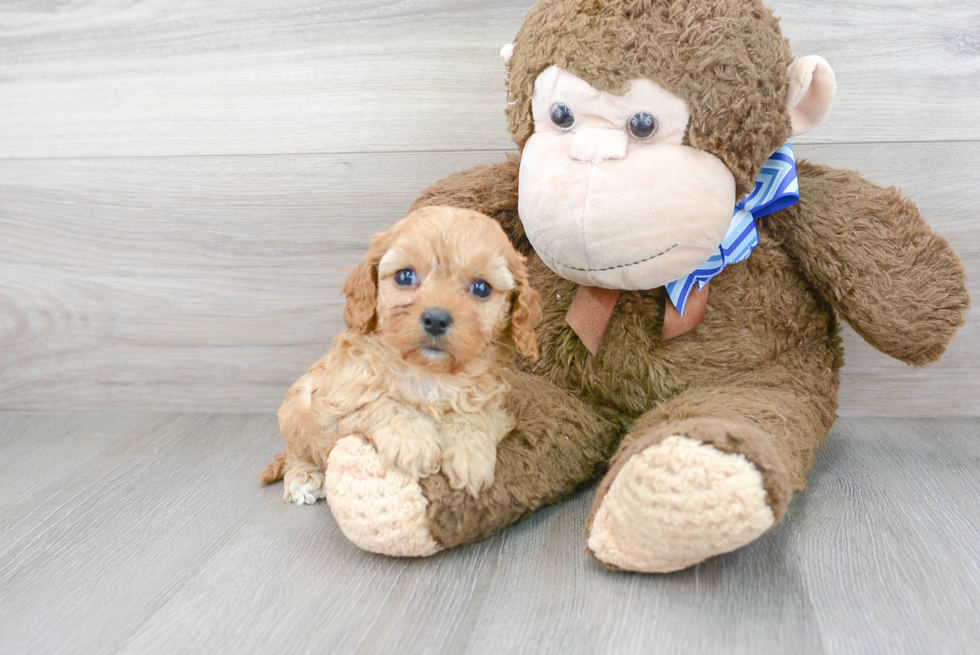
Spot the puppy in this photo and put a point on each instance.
(435, 313)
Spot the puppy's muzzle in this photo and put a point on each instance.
(436, 321)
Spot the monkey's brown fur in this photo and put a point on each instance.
(756, 381)
(759, 376)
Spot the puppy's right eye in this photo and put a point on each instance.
(405, 277)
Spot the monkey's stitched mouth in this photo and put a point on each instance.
(613, 268)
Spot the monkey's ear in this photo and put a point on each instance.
(361, 289)
(506, 53)
(812, 87)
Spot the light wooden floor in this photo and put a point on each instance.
(147, 532)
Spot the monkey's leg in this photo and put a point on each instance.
(558, 444)
(712, 469)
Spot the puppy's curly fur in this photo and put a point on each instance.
(435, 313)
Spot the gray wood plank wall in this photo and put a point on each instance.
(183, 184)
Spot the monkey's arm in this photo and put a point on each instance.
(870, 253)
(490, 190)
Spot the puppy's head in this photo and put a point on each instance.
(444, 287)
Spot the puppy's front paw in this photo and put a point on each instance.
(470, 466)
(411, 448)
(303, 487)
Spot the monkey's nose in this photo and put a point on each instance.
(436, 321)
(594, 144)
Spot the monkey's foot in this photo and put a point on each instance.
(677, 503)
(380, 509)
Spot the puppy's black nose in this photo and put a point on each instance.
(436, 321)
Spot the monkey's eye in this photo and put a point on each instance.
(405, 277)
(643, 125)
(481, 289)
(562, 116)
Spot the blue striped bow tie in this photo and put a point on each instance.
(776, 188)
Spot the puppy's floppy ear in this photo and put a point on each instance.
(361, 288)
(525, 310)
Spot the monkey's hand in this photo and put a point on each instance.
(873, 257)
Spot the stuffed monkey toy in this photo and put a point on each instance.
(693, 275)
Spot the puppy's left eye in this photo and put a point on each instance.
(405, 277)
(481, 289)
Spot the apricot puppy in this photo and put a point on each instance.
(435, 313)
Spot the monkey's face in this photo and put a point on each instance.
(609, 195)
